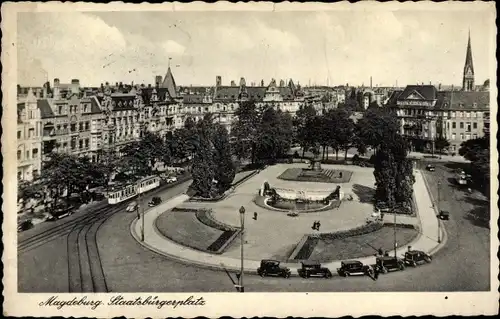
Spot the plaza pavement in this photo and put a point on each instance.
(426, 241)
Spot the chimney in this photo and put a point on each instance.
(75, 86)
(233, 83)
(45, 89)
(242, 82)
(56, 90)
(158, 79)
(282, 83)
(439, 87)
(218, 81)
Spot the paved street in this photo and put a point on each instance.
(463, 264)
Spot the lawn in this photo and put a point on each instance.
(362, 246)
(323, 176)
(184, 228)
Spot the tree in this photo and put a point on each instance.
(375, 126)
(341, 130)
(302, 122)
(224, 170)
(204, 168)
(441, 143)
(245, 130)
(478, 152)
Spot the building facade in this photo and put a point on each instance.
(424, 113)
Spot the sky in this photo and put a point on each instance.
(334, 47)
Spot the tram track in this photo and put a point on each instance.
(85, 272)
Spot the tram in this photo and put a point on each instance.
(131, 190)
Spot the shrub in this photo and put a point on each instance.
(355, 158)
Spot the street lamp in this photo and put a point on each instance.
(242, 220)
(438, 209)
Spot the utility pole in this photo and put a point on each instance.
(395, 242)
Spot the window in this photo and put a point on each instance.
(453, 125)
(474, 114)
(462, 136)
(474, 136)
(80, 144)
(73, 127)
(467, 114)
(18, 135)
(467, 136)
(468, 127)
(80, 126)
(31, 132)
(19, 175)
(35, 152)
(65, 144)
(461, 124)
(73, 143)
(87, 143)
(18, 154)
(452, 114)
(474, 125)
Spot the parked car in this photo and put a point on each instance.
(314, 269)
(352, 267)
(272, 268)
(389, 263)
(414, 257)
(444, 215)
(154, 201)
(132, 207)
(171, 179)
(430, 168)
(60, 212)
(25, 225)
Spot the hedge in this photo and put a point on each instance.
(220, 243)
(361, 230)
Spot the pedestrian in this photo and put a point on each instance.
(314, 225)
(255, 215)
(318, 225)
(375, 273)
(380, 252)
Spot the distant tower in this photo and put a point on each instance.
(218, 80)
(468, 80)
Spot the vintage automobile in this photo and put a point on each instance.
(444, 215)
(25, 225)
(132, 206)
(60, 211)
(430, 168)
(353, 267)
(272, 268)
(171, 179)
(414, 257)
(314, 269)
(154, 201)
(389, 263)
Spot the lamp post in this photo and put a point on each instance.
(438, 209)
(242, 220)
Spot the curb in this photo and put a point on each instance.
(444, 234)
(222, 267)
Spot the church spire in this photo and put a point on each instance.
(468, 78)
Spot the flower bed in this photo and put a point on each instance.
(308, 243)
(323, 176)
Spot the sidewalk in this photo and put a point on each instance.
(153, 240)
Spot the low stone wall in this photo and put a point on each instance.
(205, 216)
(292, 194)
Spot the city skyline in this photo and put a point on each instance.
(96, 47)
